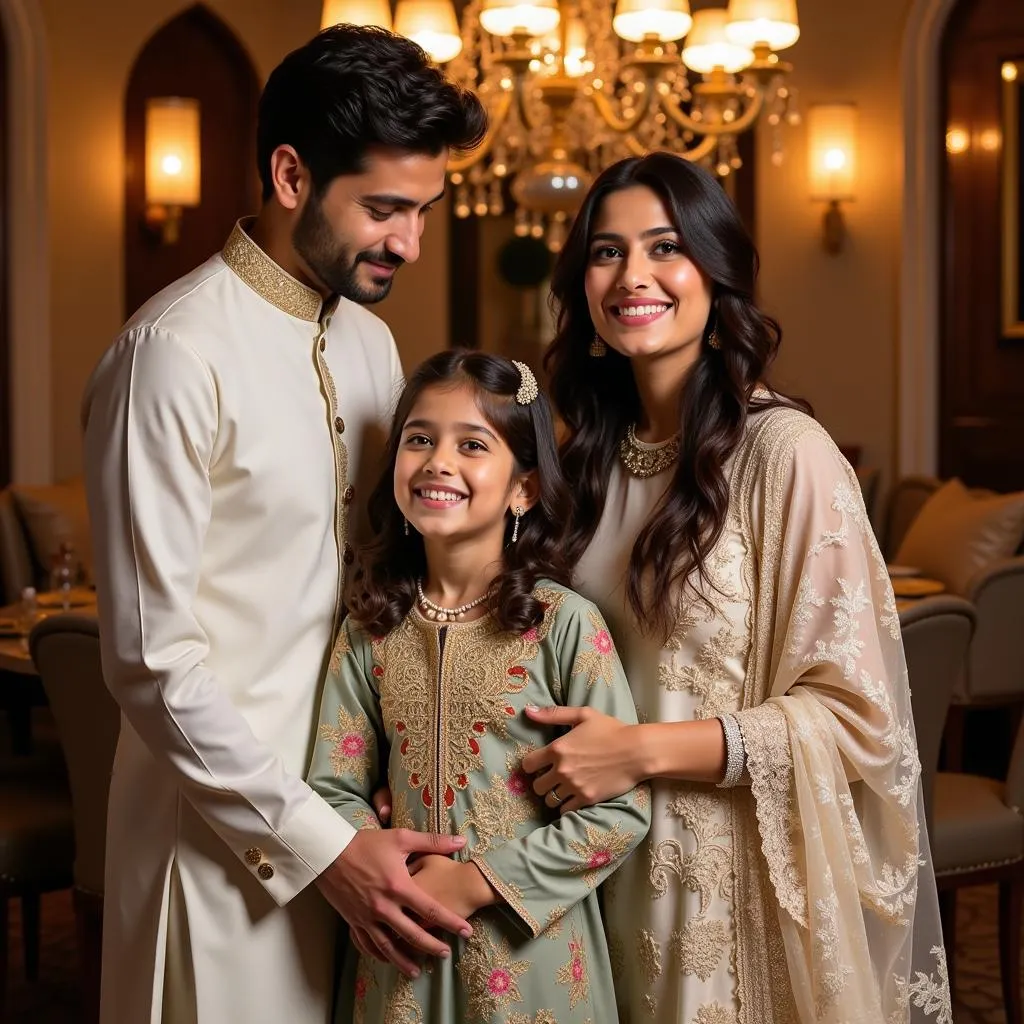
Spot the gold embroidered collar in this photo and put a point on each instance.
(267, 279)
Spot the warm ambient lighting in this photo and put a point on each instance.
(957, 141)
(707, 46)
(432, 24)
(172, 163)
(772, 22)
(664, 20)
(832, 153)
(1009, 72)
(356, 12)
(511, 18)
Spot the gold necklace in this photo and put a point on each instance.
(645, 460)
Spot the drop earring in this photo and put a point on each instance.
(598, 348)
(713, 340)
(517, 512)
(406, 527)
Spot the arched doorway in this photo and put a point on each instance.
(196, 55)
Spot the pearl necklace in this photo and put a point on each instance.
(646, 460)
(439, 614)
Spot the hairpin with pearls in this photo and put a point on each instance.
(528, 389)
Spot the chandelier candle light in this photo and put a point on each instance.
(571, 86)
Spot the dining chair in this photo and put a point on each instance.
(66, 651)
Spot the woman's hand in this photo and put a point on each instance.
(458, 886)
(599, 759)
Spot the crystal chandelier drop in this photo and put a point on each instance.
(571, 86)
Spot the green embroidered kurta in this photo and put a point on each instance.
(442, 705)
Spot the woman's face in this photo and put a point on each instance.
(646, 298)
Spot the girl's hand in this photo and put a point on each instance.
(456, 885)
(599, 759)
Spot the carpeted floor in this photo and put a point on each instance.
(54, 999)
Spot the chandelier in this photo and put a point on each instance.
(571, 86)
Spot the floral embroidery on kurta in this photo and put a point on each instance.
(490, 974)
(353, 744)
(497, 812)
(573, 972)
(597, 662)
(600, 850)
(699, 947)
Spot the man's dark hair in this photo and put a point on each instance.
(352, 87)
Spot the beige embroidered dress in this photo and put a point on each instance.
(442, 705)
(806, 893)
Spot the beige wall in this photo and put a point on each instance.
(839, 313)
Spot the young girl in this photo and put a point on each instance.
(460, 620)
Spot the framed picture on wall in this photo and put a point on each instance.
(1013, 207)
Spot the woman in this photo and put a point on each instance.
(786, 874)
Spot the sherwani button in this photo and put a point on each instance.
(323, 344)
(265, 871)
(339, 424)
(253, 856)
(348, 494)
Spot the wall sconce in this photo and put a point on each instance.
(172, 164)
(832, 149)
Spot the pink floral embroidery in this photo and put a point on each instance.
(499, 982)
(351, 746)
(517, 784)
(531, 635)
(578, 969)
(360, 988)
(598, 859)
(602, 641)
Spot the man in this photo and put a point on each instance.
(225, 431)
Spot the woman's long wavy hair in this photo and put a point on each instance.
(598, 397)
(383, 589)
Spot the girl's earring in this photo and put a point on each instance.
(598, 348)
(406, 521)
(517, 512)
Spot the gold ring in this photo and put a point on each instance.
(554, 792)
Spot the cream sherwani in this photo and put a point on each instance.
(224, 433)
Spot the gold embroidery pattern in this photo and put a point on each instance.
(510, 893)
(489, 974)
(707, 868)
(267, 279)
(365, 982)
(353, 745)
(648, 952)
(596, 664)
(650, 1005)
(599, 851)
(706, 676)
(366, 819)
(714, 1013)
(642, 796)
(482, 669)
(342, 648)
(401, 1006)
(573, 972)
(401, 815)
(699, 947)
(541, 1017)
(498, 811)
(553, 927)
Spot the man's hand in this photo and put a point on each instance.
(370, 886)
(458, 885)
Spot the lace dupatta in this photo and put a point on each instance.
(836, 911)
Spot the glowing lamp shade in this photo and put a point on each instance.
(172, 152)
(832, 151)
(707, 46)
(356, 12)
(509, 17)
(432, 24)
(664, 20)
(773, 22)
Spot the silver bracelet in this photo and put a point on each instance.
(735, 752)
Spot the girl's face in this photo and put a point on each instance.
(455, 477)
(646, 297)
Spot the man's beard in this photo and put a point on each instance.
(331, 261)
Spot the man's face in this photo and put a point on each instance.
(363, 227)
